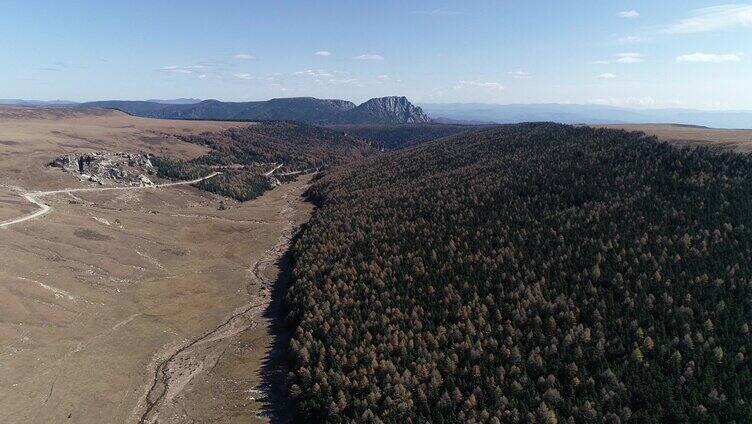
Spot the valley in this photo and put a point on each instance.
(168, 271)
(102, 290)
(248, 212)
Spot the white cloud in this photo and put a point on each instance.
(323, 53)
(621, 58)
(317, 73)
(479, 84)
(708, 58)
(244, 56)
(387, 79)
(713, 18)
(345, 81)
(607, 76)
(629, 14)
(322, 77)
(369, 56)
(520, 74)
(243, 76)
(629, 57)
(186, 70)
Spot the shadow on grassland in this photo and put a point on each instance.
(277, 405)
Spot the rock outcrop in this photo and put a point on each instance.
(108, 167)
(387, 110)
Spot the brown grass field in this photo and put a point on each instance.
(111, 289)
(689, 136)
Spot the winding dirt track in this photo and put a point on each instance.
(34, 197)
(267, 174)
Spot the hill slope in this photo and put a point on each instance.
(246, 155)
(398, 136)
(527, 273)
(303, 109)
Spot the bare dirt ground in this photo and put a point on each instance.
(689, 136)
(131, 306)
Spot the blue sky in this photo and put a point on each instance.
(627, 53)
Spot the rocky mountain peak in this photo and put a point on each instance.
(391, 109)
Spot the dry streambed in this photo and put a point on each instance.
(175, 370)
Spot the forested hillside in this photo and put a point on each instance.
(398, 136)
(245, 154)
(529, 273)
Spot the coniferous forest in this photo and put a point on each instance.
(533, 273)
(398, 136)
(245, 153)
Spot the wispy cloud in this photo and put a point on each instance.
(607, 76)
(435, 12)
(708, 58)
(323, 53)
(520, 74)
(322, 77)
(621, 58)
(629, 14)
(631, 39)
(387, 79)
(479, 84)
(629, 57)
(248, 77)
(345, 81)
(369, 56)
(317, 73)
(244, 56)
(186, 70)
(55, 66)
(713, 18)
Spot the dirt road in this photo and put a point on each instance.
(33, 197)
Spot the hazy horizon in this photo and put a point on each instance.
(689, 54)
(417, 103)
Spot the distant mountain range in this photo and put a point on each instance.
(582, 114)
(383, 110)
(180, 101)
(399, 110)
(37, 103)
